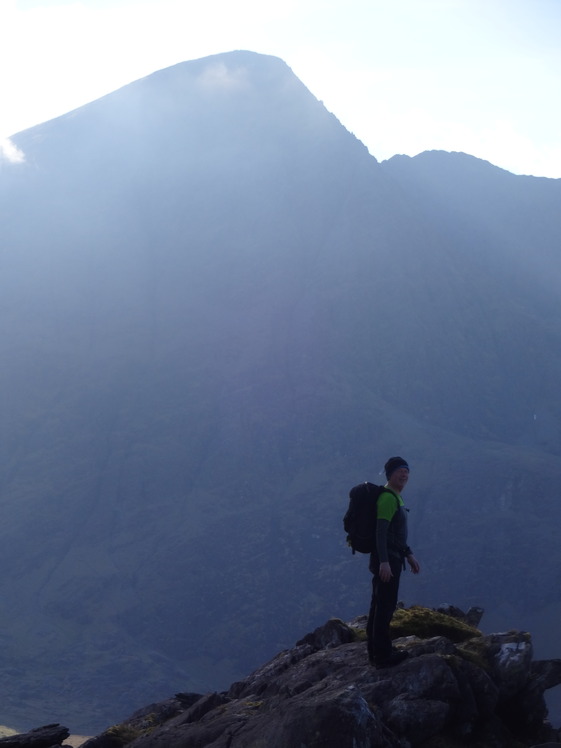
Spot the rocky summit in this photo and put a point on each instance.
(457, 687)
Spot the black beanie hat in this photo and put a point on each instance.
(393, 464)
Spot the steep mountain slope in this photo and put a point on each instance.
(218, 313)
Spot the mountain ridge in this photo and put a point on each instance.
(217, 317)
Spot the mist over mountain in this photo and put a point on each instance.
(220, 312)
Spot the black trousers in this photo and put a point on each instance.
(382, 607)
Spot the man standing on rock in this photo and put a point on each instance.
(386, 563)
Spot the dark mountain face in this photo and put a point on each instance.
(219, 312)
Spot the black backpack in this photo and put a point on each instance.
(360, 519)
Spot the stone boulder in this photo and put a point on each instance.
(49, 736)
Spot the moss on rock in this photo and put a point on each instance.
(426, 623)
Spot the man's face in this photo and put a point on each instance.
(399, 478)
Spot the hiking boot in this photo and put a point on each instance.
(396, 656)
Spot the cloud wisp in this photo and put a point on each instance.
(10, 153)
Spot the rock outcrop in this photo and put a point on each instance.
(457, 687)
(49, 736)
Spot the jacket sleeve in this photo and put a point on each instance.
(382, 526)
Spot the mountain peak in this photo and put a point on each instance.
(237, 99)
(225, 72)
(219, 312)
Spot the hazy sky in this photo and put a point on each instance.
(479, 76)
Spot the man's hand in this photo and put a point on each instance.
(413, 563)
(385, 572)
